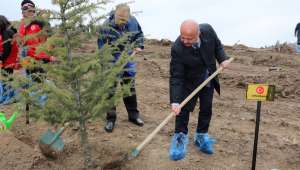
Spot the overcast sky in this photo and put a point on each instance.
(254, 23)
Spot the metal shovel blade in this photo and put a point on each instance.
(52, 140)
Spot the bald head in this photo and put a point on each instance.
(189, 32)
(189, 27)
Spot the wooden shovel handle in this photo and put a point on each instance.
(167, 119)
(59, 133)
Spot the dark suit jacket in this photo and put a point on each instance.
(297, 29)
(188, 66)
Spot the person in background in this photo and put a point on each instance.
(8, 47)
(297, 34)
(120, 23)
(8, 58)
(33, 33)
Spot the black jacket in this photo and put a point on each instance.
(297, 29)
(188, 66)
(7, 36)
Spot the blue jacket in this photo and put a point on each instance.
(110, 32)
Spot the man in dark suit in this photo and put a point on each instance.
(297, 34)
(193, 59)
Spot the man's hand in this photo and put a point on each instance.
(224, 64)
(52, 59)
(138, 50)
(175, 108)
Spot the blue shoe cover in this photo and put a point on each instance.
(204, 143)
(6, 94)
(41, 100)
(10, 95)
(2, 91)
(178, 146)
(298, 48)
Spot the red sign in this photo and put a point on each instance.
(260, 90)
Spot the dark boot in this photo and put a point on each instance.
(138, 121)
(111, 117)
(109, 127)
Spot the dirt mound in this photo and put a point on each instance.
(15, 154)
(162, 42)
(276, 59)
(287, 86)
(283, 48)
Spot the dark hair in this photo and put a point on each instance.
(4, 23)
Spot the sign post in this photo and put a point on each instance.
(259, 93)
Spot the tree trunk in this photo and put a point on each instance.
(66, 32)
(88, 164)
(67, 42)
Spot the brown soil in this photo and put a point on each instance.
(232, 124)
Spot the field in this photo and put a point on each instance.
(232, 124)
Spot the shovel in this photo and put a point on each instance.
(51, 144)
(120, 159)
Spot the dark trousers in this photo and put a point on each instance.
(7, 71)
(206, 98)
(298, 37)
(129, 101)
(36, 74)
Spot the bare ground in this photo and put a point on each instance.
(232, 124)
